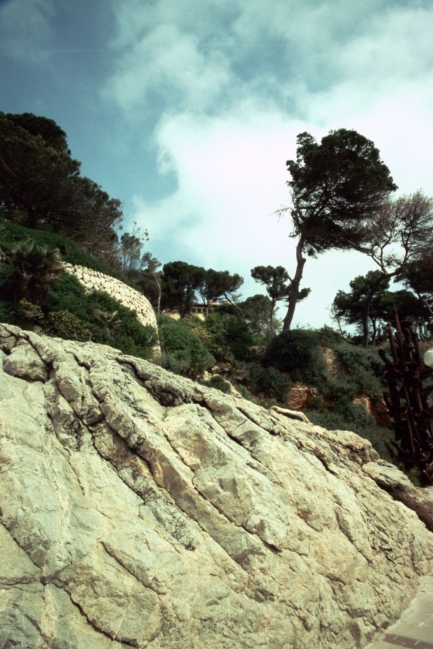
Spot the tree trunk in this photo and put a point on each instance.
(271, 317)
(294, 288)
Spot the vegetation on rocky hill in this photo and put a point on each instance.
(54, 215)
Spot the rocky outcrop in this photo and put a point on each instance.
(140, 509)
(300, 395)
(93, 280)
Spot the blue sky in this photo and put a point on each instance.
(187, 111)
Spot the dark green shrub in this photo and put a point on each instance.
(244, 392)
(216, 381)
(296, 353)
(129, 335)
(11, 234)
(364, 367)
(181, 345)
(63, 324)
(231, 336)
(273, 384)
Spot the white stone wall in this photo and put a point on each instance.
(93, 280)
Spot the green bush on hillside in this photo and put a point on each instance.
(364, 367)
(268, 382)
(69, 313)
(71, 252)
(231, 337)
(216, 381)
(296, 353)
(183, 351)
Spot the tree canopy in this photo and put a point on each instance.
(41, 186)
(180, 283)
(278, 286)
(336, 187)
(370, 303)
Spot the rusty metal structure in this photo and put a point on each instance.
(411, 416)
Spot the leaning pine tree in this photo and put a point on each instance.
(337, 187)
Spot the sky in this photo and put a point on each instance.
(187, 111)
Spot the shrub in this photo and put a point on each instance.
(364, 367)
(230, 336)
(11, 234)
(273, 384)
(63, 324)
(217, 382)
(296, 353)
(244, 392)
(129, 335)
(180, 345)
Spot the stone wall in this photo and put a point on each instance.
(93, 280)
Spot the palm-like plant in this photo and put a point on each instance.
(34, 269)
(110, 321)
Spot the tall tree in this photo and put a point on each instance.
(257, 312)
(399, 236)
(180, 283)
(336, 187)
(130, 252)
(150, 279)
(362, 306)
(51, 133)
(41, 186)
(220, 283)
(370, 303)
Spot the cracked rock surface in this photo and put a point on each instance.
(139, 509)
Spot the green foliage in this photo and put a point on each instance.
(217, 382)
(41, 186)
(219, 283)
(129, 335)
(243, 390)
(270, 383)
(34, 268)
(180, 282)
(184, 351)
(11, 234)
(231, 337)
(63, 324)
(363, 369)
(353, 417)
(334, 185)
(296, 353)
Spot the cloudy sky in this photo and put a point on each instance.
(187, 111)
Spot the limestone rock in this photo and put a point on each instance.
(140, 509)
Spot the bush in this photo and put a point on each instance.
(364, 367)
(230, 336)
(296, 353)
(127, 334)
(217, 382)
(244, 392)
(11, 234)
(182, 349)
(272, 384)
(63, 324)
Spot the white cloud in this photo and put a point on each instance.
(230, 117)
(25, 30)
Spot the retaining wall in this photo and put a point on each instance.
(93, 280)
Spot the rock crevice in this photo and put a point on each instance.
(141, 509)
